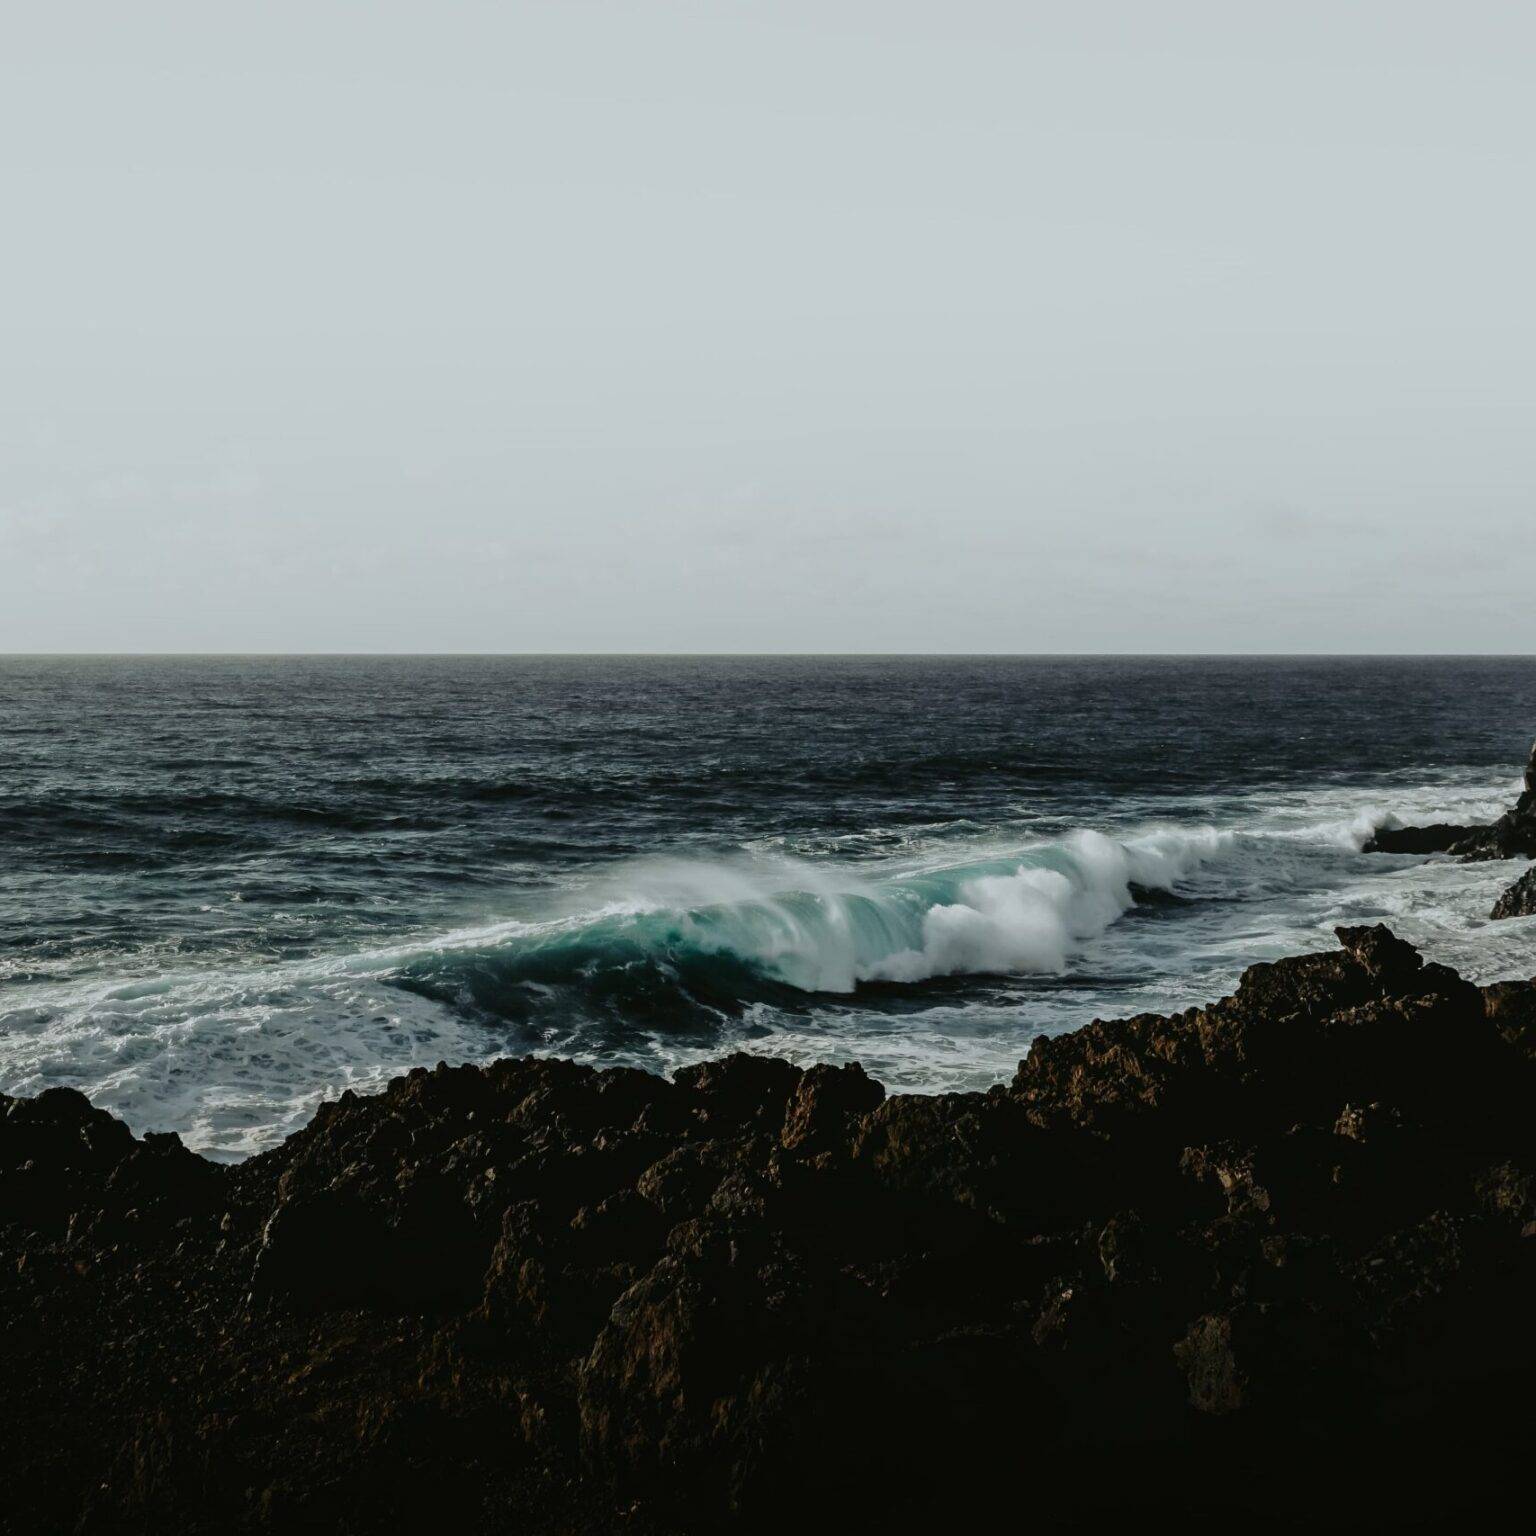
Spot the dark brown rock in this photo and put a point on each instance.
(1289, 1228)
(824, 1101)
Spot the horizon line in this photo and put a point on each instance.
(706, 655)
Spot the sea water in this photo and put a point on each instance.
(230, 887)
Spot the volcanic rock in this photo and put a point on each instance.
(1294, 1228)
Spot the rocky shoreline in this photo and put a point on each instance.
(1512, 836)
(1270, 1260)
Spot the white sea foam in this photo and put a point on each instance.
(236, 1056)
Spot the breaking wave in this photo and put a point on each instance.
(721, 934)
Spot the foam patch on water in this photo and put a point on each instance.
(232, 1060)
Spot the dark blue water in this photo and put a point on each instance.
(232, 885)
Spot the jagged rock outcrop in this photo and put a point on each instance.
(1512, 836)
(1295, 1228)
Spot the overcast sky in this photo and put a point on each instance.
(792, 325)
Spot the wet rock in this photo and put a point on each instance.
(1440, 837)
(1519, 900)
(1512, 836)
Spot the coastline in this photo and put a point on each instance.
(216, 951)
(1291, 1232)
(761, 774)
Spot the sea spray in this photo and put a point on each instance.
(718, 928)
(234, 886)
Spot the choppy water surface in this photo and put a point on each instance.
(233, 886)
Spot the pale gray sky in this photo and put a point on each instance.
(802, 325)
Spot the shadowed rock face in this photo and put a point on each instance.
(1172, 1262)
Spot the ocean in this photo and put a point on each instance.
(234, 886)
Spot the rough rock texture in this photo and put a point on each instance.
(1270, 1263)
(1519, 900)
